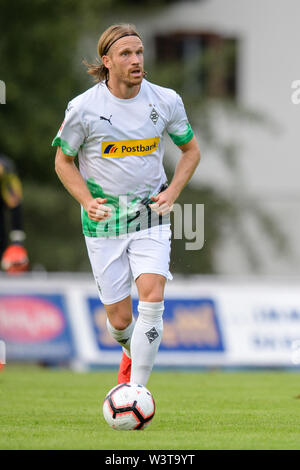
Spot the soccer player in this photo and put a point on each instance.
(117, 130)
(13, 255)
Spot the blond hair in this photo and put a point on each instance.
(106, 40)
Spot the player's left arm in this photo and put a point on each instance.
(188, 162)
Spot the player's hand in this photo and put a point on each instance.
(97, 211)
(163, 203)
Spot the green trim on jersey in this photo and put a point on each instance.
(128, 216)
(64, 146)
(183, 138)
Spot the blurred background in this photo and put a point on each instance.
(233, 62)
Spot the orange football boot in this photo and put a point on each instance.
(125, 369)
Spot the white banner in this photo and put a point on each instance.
(207, 321)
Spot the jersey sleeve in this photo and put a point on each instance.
(179, 128)
(71, 134)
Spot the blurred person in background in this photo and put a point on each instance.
(13, 255)
(117, 130)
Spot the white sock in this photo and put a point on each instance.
(122, 336)
(145, 340)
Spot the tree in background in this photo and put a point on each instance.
(40, 64)
(42, 46)
(205, 76)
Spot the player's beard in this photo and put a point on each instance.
(129, 80)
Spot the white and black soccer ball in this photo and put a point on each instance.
(128, 406)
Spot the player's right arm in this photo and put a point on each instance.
(72, 180)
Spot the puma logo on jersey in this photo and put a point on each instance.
(103, 118)
(126, 148)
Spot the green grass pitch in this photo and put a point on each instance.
(60, 409)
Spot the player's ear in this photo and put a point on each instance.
(106, 61)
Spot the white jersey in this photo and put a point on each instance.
(120, 145)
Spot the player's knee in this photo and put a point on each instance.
(152, 296)
(151, 287)
(152, 293)
(119, 323)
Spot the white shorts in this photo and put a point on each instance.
(116, 261)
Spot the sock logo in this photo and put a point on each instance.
(151, 335)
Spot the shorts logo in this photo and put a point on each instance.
(126, 148)
(99, 288)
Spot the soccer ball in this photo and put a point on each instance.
(128, 406)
